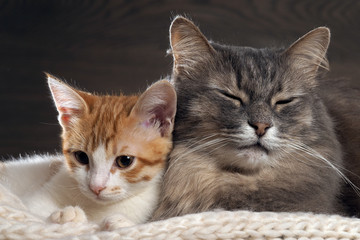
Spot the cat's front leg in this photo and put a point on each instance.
(116, 221)
(68, 214)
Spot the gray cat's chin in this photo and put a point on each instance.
(247, 159)
(253, 157)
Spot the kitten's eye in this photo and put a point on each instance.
(81, 157)
(124, 161)
(285, 101)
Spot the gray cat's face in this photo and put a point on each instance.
(247, 106)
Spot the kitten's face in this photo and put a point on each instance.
(116, 146)
(249, 107)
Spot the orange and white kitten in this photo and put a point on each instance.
(114, 153)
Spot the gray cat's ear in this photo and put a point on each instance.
(156, 107)
(309, 52)
(188, 45)
(68, 101)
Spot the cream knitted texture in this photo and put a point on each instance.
(16, 223)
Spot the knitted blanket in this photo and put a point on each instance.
(17, 223)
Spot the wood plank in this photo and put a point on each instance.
(112, 46)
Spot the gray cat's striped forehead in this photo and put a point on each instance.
(258, 72)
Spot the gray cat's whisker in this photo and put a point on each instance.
(216, 148)
(232, 137)
(335, 167)
(192, 148)
(312, 153)
(203, 146)
(203, 143)
(197, 140)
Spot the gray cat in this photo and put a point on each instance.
(252, 131)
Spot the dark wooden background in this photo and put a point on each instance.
(108, 46)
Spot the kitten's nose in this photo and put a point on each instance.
(260, 128)
(97, 189)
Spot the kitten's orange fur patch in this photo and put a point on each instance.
(150, 163)
(146, 178)
(115, 188)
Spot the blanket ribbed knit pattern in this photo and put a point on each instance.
(17, 223)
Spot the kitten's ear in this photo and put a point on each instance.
(68, 102)
(156, 107)
(309, 52)
(188, 45)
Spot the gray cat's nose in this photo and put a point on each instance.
(260, 128)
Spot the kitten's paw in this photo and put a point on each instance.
(115, 221)
(68, 214)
